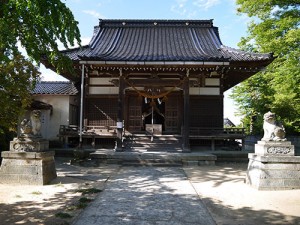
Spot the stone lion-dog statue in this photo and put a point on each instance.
(273, 130)
(35, 119)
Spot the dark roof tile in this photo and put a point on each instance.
(159, 40)
(55, 88)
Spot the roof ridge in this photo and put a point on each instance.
(155, 22)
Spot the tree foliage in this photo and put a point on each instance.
(274, 28)
(36, 26)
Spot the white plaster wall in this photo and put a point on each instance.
(60, 114)
(103, 90)
(212, 82)
(204, 91)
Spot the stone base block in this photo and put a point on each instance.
(30, 168)
(274, 148)
(273, 172)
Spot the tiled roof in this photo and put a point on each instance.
(159, 40)
(55, 88)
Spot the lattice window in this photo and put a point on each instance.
(102, 111)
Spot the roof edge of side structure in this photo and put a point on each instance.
(55, 88)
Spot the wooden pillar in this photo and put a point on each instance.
(120, 116)
(81, 106)
(186, 115)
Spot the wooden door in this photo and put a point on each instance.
(173, 115)
(134, 113)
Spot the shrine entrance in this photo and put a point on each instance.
(163, 115)
(153, 114)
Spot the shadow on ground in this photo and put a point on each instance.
(231, 201)
(57, 203)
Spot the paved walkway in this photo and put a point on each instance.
(147, 195)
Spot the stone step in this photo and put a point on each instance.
(153, 158)
(153, 147)
(154, 138)
(154, 162)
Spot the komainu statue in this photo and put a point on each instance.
(31, 127)
(36, 123)
(273, 130)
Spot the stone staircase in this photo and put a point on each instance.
(148, 150)
(149, 143)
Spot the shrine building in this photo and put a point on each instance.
(158, 78)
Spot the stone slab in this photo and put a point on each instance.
(283, 148)
(28, 168)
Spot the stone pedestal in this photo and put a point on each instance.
(274, 166)
(29, 161)
(30, 168)
(274, 148)
(26, 144)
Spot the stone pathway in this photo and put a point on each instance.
(147, 195)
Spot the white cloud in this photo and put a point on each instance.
(182, 8)
(206, 4)
(93, 13)
(179, 7)
(189, 8)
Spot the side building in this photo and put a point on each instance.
(62, 100)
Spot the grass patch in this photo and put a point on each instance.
(83, 202)
(36, 193)
(59, 184)
(18, 196)
(72, 208)
(63, 215)
(88, 191)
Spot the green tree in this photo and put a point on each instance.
(37, 26)
(274, 28)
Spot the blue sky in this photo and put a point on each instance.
(223, 12)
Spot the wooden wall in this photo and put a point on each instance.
(206, 111)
